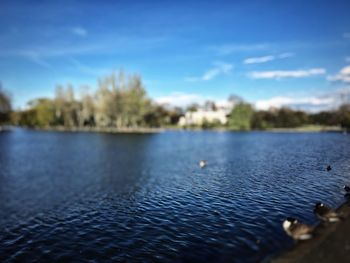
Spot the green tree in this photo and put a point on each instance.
(344, 116)
(193, 107)
(5, 106)
(263, 120)
(241, 117)
(135, 101)
(288, 118)
(26, 118)
(86, 113)
(44, 110)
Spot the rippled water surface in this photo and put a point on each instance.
(77, 197)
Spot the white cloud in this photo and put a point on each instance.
(101, 46)
(35, 57)
(314, 103)
(264, 59)
(343, 75)
(180, 99)
(323, 101)
(258, 59)
(278, 102)
(285, 55)
(279, 74)
(232, 48)
(220, 68)
(79, 31)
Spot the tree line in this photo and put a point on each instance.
(5, 107)
(244, 117)
(120, 101)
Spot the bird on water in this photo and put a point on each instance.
(296, 230)
(347, 191)
(346, 188)
(202, 163)
(326, 213)
(329, 168)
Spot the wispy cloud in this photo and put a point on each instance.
(227, 49)
(89, 70)
(281, 101)
(264, 59)
(40, 54)
(324, 101)
(256, 60)
(285, 55)
(79, 31)
(279, 74)
(220, 68)
(182, 99)
(343, 75)
(48, 52)
(35, 57)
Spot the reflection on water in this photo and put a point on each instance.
(87, 196)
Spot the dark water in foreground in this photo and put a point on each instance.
(142, 198)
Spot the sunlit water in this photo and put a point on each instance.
(143, 198)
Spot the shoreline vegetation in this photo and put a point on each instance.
(330, 243)
(303, 129)
(120, 104)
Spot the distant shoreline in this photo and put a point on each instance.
(101, 130)
(5, 128)
(330, 243)
(302, 129)
(144, 130)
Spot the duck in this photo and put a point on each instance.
(202, 163)
(296, 230)
(326, 213)
(347, 191)
(346, 188)
(329, 168)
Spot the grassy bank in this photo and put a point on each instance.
(307, 128)
(100, 129)
(310, 128)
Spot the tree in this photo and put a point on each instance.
(263, 120)
(27, 118)
(86, 113)
(193, 107)
(241, 117)
(234, 99)
(103, 104)
(344, 116)
(210, 106)
(44, 110)
(287, 118)
(328, 118)
(5, 106)
(59, 104)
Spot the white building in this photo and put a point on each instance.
(201, 115)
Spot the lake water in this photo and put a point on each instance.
(81, 197)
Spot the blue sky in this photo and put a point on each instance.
(268, 52)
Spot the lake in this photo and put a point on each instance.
(78, 197)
